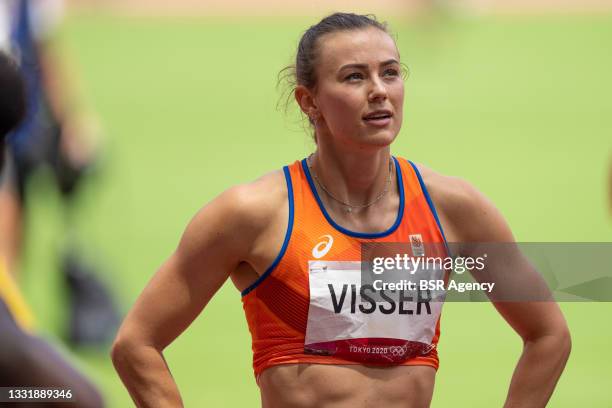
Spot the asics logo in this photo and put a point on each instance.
(323, 247)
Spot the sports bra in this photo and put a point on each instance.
(310, 306)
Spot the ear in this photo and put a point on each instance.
(305, 100)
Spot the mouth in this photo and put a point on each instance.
(378, 118)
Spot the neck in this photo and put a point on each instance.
(355, 178)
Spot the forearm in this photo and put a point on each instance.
(146, 375)
(538, 371)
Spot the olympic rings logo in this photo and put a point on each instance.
(398, 351)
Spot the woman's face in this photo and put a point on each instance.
(359, 95)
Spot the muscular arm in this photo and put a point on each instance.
(219, 237)
(470, 219)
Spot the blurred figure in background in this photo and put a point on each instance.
(56, 133)
(25, 359)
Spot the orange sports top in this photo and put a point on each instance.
(276, 304)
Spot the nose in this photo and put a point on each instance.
(377, 91)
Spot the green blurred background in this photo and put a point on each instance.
(519, 106)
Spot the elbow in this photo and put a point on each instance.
(557, 342)
(565, 342)
(562, 339)
(562, 346)
(130, 352)
(116, 353)
(121, 350)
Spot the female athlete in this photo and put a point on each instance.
(291, 242)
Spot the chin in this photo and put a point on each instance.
(366, 139)
(381, 138)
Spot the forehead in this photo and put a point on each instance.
(367, 46)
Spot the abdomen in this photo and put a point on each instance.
(354, 386)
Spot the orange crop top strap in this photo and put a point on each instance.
(430, 202)
(288, 232)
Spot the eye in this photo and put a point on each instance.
(355, 76)
(391, 72)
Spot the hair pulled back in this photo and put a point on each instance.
(306, 57)
(303, 72)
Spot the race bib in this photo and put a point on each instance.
(359, 321)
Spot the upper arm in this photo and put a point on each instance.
(477, 227)
(217, 239)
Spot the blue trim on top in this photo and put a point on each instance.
(281, 253)
(432, 207)
(400, 212)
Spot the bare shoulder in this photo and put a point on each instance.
(465, 212)
(259, 200)
(253, 203)
(446, 189)
(240, 215)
